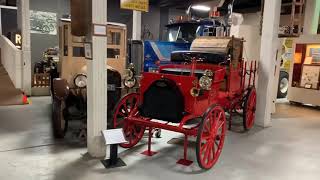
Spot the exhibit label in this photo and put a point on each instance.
(138, 5)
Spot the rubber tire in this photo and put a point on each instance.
(56, 118)
(283, 75)
(158, 133)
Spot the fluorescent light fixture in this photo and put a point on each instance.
(201, 8)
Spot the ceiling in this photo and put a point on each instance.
(239, 5)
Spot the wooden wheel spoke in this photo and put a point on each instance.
(213, 151)
(206, 152)
(204, 147)
(134, 130)
(221, 124)
(127, 130)
(125, 108)
(206, 137)
(122, 114)
(210, 153)
(206, 128)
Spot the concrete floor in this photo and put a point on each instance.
(289, 150)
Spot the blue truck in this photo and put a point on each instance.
(179, 37)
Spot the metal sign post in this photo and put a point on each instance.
(113, 137)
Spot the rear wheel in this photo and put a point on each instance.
(283, 85)
(128, 106)
(211, 135)
(249, 109)
(59, 124)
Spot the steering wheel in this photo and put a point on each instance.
(189, 57)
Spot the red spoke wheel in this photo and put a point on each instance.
(126, 107)
(249, 109)
(211, 135)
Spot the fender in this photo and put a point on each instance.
(60, 88)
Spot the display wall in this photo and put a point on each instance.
(41, 41)
(305, 71)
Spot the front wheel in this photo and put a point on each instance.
(59, 124)
(128, 107)
(249, 109)
(211, 135)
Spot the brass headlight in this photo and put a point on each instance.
(205, 82)
(80, 81)
(129, 82)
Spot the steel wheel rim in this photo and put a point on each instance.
(128, 106)
(251, 109)
(212, 137)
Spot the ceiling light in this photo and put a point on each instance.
(201, 8)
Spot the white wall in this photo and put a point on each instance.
(250, 31)
(11, 60)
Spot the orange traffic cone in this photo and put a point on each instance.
(24, 99)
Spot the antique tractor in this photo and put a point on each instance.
(191, 96)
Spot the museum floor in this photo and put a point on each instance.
(288, 150)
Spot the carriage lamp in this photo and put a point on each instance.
(205, 81)
(80, 80)
(129, 79)
(129, 73)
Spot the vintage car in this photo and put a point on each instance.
(69, 97)
(191, 96)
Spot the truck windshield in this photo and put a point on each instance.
(183, 33)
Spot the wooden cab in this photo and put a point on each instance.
(72, 57)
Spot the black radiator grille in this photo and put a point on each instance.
(164, 101)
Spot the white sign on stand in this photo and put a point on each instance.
(113, 136)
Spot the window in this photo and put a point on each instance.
(65, 41)
(78, 52)
(114, 38)
(113, 53)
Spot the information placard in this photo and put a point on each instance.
(113, 136)
(138, 5)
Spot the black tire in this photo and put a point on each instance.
(283, 84)
(59, 131)
(158, 133)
